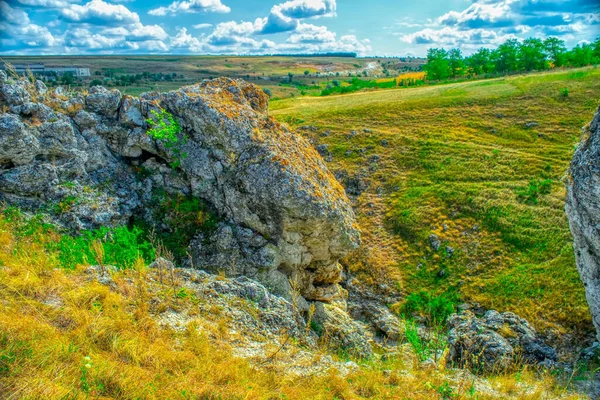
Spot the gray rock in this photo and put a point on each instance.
(103, 101)
(495, 341)
(434, 242)
(341, 330)
(40, 87)
(583, 212)
(161, 263)
(15, 94)
(130, 113)
(18, 144)
(3, 76)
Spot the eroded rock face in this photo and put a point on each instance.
(583, 211)
(285, 219)
(495, 341)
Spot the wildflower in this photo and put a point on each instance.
(88, 365)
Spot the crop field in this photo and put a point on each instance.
(479, 164)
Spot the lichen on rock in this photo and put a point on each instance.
(583, 211)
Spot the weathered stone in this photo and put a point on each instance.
(40, 87)
(103, 101)
(583, 211)
(14, 94)
(434, 242)
(130, 113)
(261, 176)
(18, 145)
(495, 341)
(341, 330)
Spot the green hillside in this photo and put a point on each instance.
(480, 165)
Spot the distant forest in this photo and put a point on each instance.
(340, 54)
(512, 56)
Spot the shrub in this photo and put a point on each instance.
(435, 308)
(165, 128)
(121, 246)
(564, 92)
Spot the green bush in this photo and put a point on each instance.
(122, 247)
(435, 308)
(165, 128)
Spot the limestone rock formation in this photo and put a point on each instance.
(88, 161)
(494, 341)
(583, 211)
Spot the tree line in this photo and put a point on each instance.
(512, 56)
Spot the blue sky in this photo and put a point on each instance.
(368, 27)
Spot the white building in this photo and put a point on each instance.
(40, 68)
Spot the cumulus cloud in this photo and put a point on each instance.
(97, 12)
(84, 40)
(192, 6)
(17, 31)
(300, 9)
(285, 17)
(307, 33)
(488, 22)
(453, 37)
(101, 26)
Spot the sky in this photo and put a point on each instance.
(367, 27)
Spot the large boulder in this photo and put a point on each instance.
(284, 219)
(583, 211)
(495, 341)
(290, 218)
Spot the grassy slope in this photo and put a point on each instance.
(461, 155)
(66, 336)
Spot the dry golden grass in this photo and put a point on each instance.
(66, 336)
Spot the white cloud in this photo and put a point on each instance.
(46, 3)
(185, 41)
(17, 31)
(12, 16)
(191, 6)
(453, 37)
(97, 12)
(201, 26)
(307, 33)
(300, 9)
(82, 40)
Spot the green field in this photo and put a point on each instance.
(480, 164)
(267, 71)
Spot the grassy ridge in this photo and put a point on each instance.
(480, 165)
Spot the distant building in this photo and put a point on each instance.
(41, 69)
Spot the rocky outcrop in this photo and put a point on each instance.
(88, 162)
(583, 211)
(495, 341)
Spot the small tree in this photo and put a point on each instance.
(290, 76)
(306, 73)
(67, 78)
